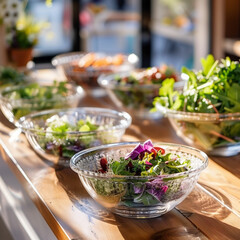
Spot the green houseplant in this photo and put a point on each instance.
(24, 36)
(21, 30)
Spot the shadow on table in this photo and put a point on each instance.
(72, 185)
(205, 203)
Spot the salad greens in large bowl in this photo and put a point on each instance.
(58, 134)
(18, 101)
(139, 180)
(134, 91)
(206, 114)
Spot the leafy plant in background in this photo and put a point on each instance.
(22, 30)
(213, 89)
(26, 32)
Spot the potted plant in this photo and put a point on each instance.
(23, 37)
(21, 30)
(9, 13)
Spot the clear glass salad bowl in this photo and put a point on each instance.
(18, 101)
(136, 99)
(84, 68)
(120, 194)
(207, 131)
(60, 133)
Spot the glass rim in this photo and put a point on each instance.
(59, 59)
(87, 173)
(182, 115)
(21, 123)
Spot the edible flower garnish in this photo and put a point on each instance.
(146, 147)
(146, 160)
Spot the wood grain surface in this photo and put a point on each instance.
(211, 211)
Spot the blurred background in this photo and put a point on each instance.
(175, 32)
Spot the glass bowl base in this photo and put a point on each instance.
(142, 212)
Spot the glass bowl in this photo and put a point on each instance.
(84, 68)
(18, 101)
(136, 99)
(58, 142)
(120, 194)
(217, 134)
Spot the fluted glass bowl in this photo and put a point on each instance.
(58, 142)
(84, 68)
(216, 134)
(118, 193)
(14, 104)
(135, 99)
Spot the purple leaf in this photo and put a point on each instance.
(157, 193)
(50, 146)
(138, 189)
(156, 188)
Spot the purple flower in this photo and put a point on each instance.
(140, 148)
(148, 145)
(148, 163)
(156, 188)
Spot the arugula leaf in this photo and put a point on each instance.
(120, 168)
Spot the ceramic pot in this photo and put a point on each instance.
(21, 56)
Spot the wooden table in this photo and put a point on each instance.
(211, 211)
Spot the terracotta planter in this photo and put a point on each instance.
(21, 56)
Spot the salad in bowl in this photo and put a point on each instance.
(84, 68)
(60, 133)
(206, 114)
(134, 91)
(139, 180)
(18, 101)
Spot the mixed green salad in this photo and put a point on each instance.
(215, 89)
(129, 91)
(63, 138)
(144, 160)
(152, 75)
(10, 77)
(31, 97)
